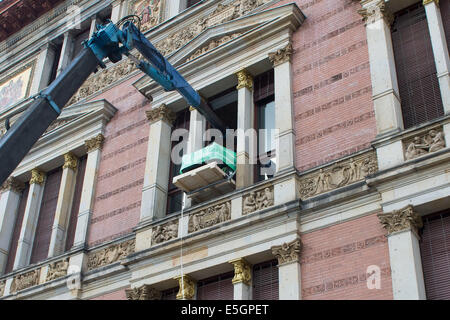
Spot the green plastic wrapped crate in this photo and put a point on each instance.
(226, 158)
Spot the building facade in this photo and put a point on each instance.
(345, 195)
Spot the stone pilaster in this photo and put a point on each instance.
(43, 69)
(284, 120)
(156, 176)
(288, 255)
(404, 253)
(66, 51)
(382, 67)
(242, 279)
(26, 238)
(187, 287)
(246, 145)
(9, 203)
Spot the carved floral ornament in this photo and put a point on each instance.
(374, 11)
(165, 232)
(37, 177)
(70, 161)
(161, 113)
(110, 254)
(338, 175)
(12, 184)
(401, 220)
(281, 55)
(25, 280)
(171, 43)
(2, 287)
(144, 292)
(257, 200)
(242, 271)
(420, 145)
(210, 216)
(288, 252)
(95, 143)
(187, 287)
(57, 269)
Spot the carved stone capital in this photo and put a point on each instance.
(95, 143)
(191, 108)
(187, 287)
(12, 184)
(37, 176)
(242, 271)
(281, 55)
(401, 220)
(375, 11)
(70, 161)
(425, 2)
(161, 113)
(2, 287)
(288, 252)
(144, 292)
(245, 80)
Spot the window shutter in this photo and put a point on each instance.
(265, 281)
(46, 217)
(416, 71)
(264, 85)
(17, 229)
(435, 251)
(445, 13)
(216, 288)
(76, 204)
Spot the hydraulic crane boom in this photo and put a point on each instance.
(109, 41)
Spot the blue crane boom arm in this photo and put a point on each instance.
(109, 41)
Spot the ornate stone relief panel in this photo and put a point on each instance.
(57, 269)
(212, 45)
(25, 280)
(110, 254)
(425, 143)
(144, 292)
(171, 43)
(165, 232)
(338, 175)
(257, 200)
(150, 12)
(210, 216)
(2, 287)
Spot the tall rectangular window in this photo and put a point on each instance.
(265, 281)
(216, 288)
(43, 233)
(416, 71)
(445, 13)
(17, 229)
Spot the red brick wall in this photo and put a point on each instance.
(335, 259)
(117, 295)
(121, 173)
(333, 109)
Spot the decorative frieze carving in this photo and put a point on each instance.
(150, 12)
(338, 175)
(70, 161)
(165, 232)
(187, 287)
(423, 144)
(245, 80)
(25, 280)
(288, 252)
(376, 11)
(95, 143)
(161, 113)
(37, 177)
(242, 271)
(12, 184)
(57, 269)
(212, 45)
(110, 254)
(210, 216)
(2, 287)
(399, 220)
(170, 44)
(257, 200)
(281, 55)
(144, 292)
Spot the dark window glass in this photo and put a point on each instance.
(170, 294)
(190, 3)
(416, 71)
